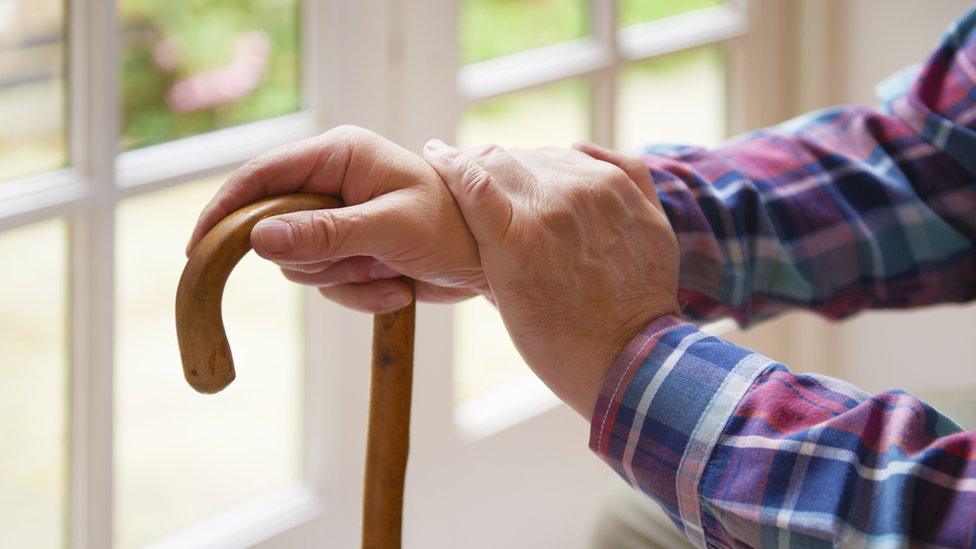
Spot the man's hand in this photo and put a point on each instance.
(577, 252)
(399, 219)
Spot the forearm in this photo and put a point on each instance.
(852, 210)
(737, 449)
(837, 211)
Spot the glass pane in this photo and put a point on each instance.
(193, 67)
(32, 87)
(675, 99)
(491, 28)
(33, 363)
(556, 115)
(640, 11)
(182, 456)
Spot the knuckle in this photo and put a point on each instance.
(633, 164)
(324, 235)
(488, 151)
(254, 167)
(560, 219)
(348, 130)
(614, 177)
(475, 180)
(351, 134)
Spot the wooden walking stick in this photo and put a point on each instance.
(209, 367)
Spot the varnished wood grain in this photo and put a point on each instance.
(388, 439)
(208, 364)
(207, 361)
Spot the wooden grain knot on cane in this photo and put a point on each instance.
(208, 364)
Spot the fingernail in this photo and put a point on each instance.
(441, 149)
(395, 300)
(275, 236)
(381, 270)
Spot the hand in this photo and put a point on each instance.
(399, 219)
(576, 249)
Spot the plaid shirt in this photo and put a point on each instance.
(838, 211)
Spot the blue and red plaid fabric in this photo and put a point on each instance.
(835, 212)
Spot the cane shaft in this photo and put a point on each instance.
(388, 438)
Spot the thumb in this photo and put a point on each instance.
(482, 198)
(320, 235)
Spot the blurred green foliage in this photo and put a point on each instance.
(204, 32)
(491, 28)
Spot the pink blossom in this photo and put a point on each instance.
(226, 84)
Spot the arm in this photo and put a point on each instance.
(740, 451)
(842, 210)
(735, 448)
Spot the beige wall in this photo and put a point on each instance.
(881, 36)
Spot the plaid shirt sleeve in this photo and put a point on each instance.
(837, 211)
(843, 210)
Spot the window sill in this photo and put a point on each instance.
(251, 522)
(503, 407)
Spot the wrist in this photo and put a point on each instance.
(623, 347)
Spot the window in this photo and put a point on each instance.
(33, 339)
(106, 446)
(551, 72)
(120, 119)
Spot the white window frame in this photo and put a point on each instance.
(392, 66)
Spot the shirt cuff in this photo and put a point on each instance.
(662, 409)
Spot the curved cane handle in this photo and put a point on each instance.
(207, 362)
(209, 367)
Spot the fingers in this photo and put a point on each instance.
(480, 195)
(378, 296)
(315, 236)
(355, 270)
(283, 170)
(348, 162)
(633, 167)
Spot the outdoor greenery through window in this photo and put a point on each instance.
(193, 67)
(491, 28)
(33, 90)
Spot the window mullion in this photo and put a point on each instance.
(93, 139)
(603, 28)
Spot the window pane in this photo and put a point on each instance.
(193, 67)
(640, 11)
(556, 115)
(33, 363)
(675, 99)
(32, 87)
(182, 456)
(491, 28)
